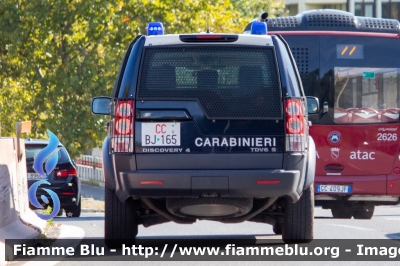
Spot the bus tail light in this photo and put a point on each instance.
(396, 170)
(123, 126)
(295, 125)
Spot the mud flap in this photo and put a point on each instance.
(311, 163)
(108, 169)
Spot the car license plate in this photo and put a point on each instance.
(161, 134)
(36, 176)
(334, 188)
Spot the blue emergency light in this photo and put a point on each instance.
(259, 28)
(155, 28)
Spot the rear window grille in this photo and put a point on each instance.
(300, 55)
(229, 82)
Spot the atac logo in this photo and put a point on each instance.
(38, 167)
(335, 153)
(334, 137)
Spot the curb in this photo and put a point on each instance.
(92, 182)
(91, 210)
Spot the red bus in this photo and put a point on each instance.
(352, 65)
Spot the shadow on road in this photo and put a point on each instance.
(96, 193)
(62, 219)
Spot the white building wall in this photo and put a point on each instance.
(304, 5)
(96, 152)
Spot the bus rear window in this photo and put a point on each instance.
(366, 95)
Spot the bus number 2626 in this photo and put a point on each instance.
(387, 136)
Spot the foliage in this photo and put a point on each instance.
(55, 55)
(48, 211)
(252, 8)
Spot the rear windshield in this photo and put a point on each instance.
(228, 81)
(32, 150)
(366, 95)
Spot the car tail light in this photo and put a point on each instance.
(123, 127)
(64, 173)
(296, 127)
(151, 182)
(268, 182)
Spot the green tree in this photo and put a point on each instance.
(55, 55)
(253, 8)
(53, 62)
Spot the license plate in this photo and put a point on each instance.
(334, 188)
(36, 176)
(161, 134)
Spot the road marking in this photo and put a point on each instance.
(353, 227)
(396, 219)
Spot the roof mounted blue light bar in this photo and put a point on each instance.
(155, 28)
(259, 28)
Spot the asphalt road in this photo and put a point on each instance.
(96, 193)
(384, 225)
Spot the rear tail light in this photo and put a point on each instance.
(151, 182)
(64, 173)
(396, 170)
(296, 126)
(268, 182)
(123, 127)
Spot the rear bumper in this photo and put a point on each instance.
(65, 200)
(364, 188)
(193, 183)
(68, 191)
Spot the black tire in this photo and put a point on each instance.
(342, 212)
(365, 212)
(298, 225)
(243, 206)
(73, 211)
(60, 212)
(120, 223)
(278, 228)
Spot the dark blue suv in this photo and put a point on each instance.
(207, 126)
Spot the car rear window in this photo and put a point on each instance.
(32, 150)
(228, 81)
